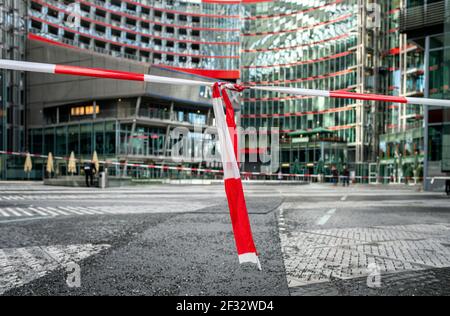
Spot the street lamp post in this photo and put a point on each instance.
(426, 137)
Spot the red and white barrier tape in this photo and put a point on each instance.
(356, 96)
(225, 124)
(233, 185)
(205, 170)
(131, 76)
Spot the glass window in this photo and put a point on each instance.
(49, 140)
(74, 139)
(61, 141)
(110, 138)
(100, 138)
(86, 139)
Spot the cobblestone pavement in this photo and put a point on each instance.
(338, 247)
(410, 283)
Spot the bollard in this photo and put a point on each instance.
(102, 180)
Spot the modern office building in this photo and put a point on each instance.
(417, 139)
(201, 37)
(12, 84)
(386, 47)
(362, 46)
(328, 45)
(121, 121)
(401, 145)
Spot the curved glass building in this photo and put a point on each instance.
(326, 45)
(201, 37)
(369, 46)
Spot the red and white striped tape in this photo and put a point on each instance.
(233, 184)
(121, 75)
(161, 167)
(95, 72)
(227, 138)
(213, 171)
(356, 96)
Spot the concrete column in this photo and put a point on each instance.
(94, 115)
(133, 130)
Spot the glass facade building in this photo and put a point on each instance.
(201, 37)
(110, 131)
(418, 66)
(328, 45)
(397, 47)
(194, 37)
(12, 84)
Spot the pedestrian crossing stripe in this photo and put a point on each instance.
(49, 211)
(4, 214)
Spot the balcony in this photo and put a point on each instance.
(423, 17)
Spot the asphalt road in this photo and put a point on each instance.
(177, 240)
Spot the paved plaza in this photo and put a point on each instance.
(177, 240)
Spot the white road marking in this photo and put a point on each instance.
(20, 266)
(32, 212)
(23, 219)
(109, 211)
(49, 211)
(82, 210)
(3, 213)
(71, 211)
(324, 219)
(58, 211)
(38, 211)
(344, 198)
(9, 209)
(90, 210)
(23, 211)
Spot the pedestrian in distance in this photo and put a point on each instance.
(335, 175)
(346, 177)
(89, 171)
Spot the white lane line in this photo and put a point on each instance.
(71, 211)
(49, 211)
(3, 213)
(58, 211)
(38, 211)
(12, 211)
(344, 198)
(24, 219)
(24, 265)
(324, 219)
(90, 211)
(109, 212)
(23, 211)
(80, 209)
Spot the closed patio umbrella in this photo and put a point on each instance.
(95, 161)
(50, 167)
(28, 164)
(72, 167)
